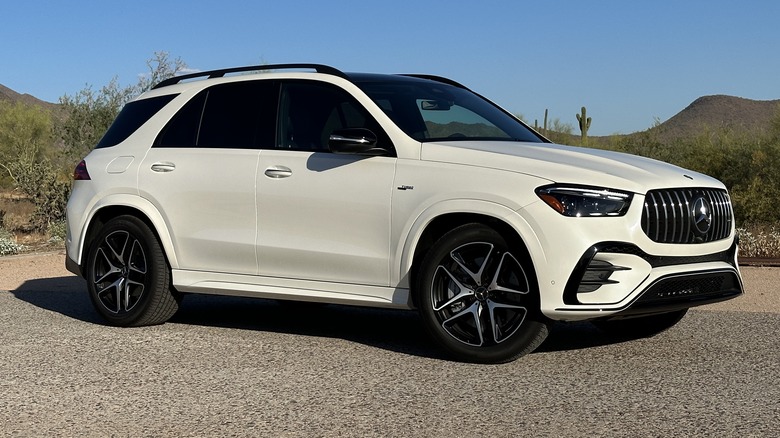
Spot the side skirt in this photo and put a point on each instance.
(290, 289)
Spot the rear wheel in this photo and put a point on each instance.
(127, 275)
(642, 326)
(477, 298)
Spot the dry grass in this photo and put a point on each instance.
(18, 235)
(15, 212)
(759, 241)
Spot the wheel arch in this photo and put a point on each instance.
(137, 207)
(503, 220)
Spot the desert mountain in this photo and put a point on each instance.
(9, 94)
(720, 111)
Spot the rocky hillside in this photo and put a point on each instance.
(9, 94)
(719, 111)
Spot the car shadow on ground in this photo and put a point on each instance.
(393, 330)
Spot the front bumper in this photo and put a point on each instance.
(677, 292)
(662, 283)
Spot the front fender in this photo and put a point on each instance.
(414, 230)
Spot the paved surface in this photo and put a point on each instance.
(239, 367)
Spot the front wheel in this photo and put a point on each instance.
(477, 297)
(128, 276)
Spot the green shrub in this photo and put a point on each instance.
(42, 183)
(57, 231)
(8, 245)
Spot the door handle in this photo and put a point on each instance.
(278, 172)
(163, 167)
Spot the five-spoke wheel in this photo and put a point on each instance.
(477, 299)
(127, 275)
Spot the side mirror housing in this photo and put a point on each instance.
(354, 141)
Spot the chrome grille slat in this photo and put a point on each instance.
(668, 215)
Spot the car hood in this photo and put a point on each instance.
(569, 164)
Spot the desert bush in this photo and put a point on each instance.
(759, 241)
(42, 183)
(25, 136)
(57, 232)
(8, 245)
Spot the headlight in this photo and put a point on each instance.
(577, 201)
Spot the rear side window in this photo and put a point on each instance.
(132, 116)
(239, 115)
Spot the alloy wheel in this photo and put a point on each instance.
(479, 294)
(119, 269)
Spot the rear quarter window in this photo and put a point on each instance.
(132, 116)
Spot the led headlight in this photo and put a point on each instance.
(578, 201)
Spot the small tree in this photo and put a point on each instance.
(89, 113)
(87, 116)
(25, 143)
(25, 135)
(160, 68)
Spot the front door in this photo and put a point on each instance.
(323, 216)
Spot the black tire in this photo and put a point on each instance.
(642, 326)
(128, 277)
(477, 298)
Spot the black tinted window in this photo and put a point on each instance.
(310, 111)
(237, 115)
(182, 130)
(132, 116)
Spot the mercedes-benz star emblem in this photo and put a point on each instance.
(702, 215)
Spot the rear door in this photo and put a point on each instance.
(200, 173)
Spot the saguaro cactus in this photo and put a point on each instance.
(543, 129)
(584, 122)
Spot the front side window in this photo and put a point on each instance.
(309, 112)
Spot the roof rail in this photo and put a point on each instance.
(319, 68)
(438, 79)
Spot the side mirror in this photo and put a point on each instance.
(354, 141)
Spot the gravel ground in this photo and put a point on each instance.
(239, 367)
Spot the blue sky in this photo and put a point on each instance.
(628, 62)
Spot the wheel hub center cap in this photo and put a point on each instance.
(481, 293)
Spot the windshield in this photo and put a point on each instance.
(432, 111)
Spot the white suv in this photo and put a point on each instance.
(301, 182)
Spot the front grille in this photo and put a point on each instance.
(687, 215)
